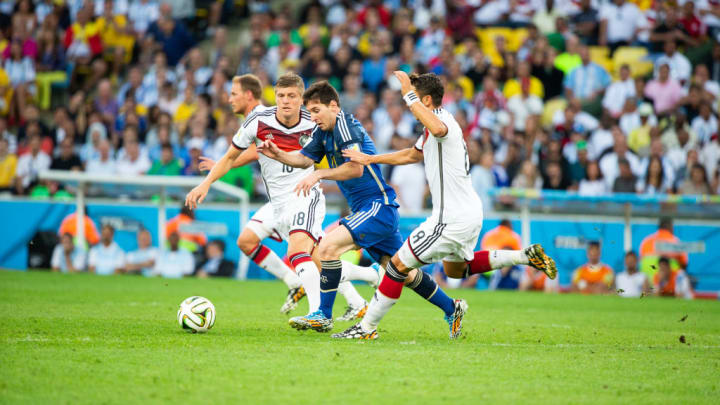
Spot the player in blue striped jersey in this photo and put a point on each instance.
(373, 224)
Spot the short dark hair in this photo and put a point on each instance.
(219, 243)
(664, 260)
(249, 83)
(665, 223)
(630, 253)
(428, 84)
(322, 92)
(506, 223)
(593, 243)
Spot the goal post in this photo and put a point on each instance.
(160, 183)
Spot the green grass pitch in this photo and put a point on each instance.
(86, 339)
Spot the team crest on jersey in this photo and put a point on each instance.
(304, 139)
(269, 136)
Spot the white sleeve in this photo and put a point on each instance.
(189, 263)
(92, 258)
(79, 261)
(56, 261)
(246, 134)
(119, 259)
(420, 142)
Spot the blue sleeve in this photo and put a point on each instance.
(314, 149)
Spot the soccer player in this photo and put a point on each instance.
(450, 234)
(373, 224)
(245, 99)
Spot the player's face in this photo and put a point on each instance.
(237, 99)
(321, 114)
(288, 100)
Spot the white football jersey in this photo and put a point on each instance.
(261, 125)
(447, 168)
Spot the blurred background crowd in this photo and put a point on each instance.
(588, 96)
(593, 96)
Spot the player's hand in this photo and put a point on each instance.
(405, 85)
(306, 184)
(206, 163)
(269, 149)
(196, 196)
(357, 156)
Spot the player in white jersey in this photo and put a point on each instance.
(452, 231)
(297, 220)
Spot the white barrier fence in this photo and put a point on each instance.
(160, 183)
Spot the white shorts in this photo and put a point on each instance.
(432, 242)
(303, 214)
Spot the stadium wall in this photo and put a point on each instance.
(564, 237)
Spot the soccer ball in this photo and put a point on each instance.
(197, 314)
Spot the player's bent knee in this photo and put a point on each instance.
(399, 264)
(327, 251)
(247, 243)
(454, 270)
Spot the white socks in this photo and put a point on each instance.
(354, 272)
(310, 277)
(353, 298)
(504, 258)
(379, 306)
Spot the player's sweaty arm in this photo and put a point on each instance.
(436, 127)
(198, 194)
(346, 171)
(294, 159)
(402, 157)
(248, 156)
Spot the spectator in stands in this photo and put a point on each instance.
(190, 241)
(67, 159)
(133, 163)
(593, 183)
(609, 163)
(168, 164)
(593, 277)
(170, 35)
(625, 182)
(705, 125)
(104, 163)
(30, 165)
(216, 265)
(664, 91)
(618, 92)
(639, 138)
(174, 262)
(655, 180)
(671, 283)
(8, 165)
(482, 174)
(697, 183)
(587, 83)
(536, 280)
(586, 23)
(661, 243)
(507, 278)
(142, 260)
(619, 23)
(21, 71)
(670, 29)
(106, 258)
(67, 257)
(680, 68)
(631, 283)
(528, 177)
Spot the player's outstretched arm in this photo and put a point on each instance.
(423, 114)
(401, 157)
(248, 156)
(346, 171)
(198, 194)
(295, 159)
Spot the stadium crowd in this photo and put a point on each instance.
(593, 96)
(589, 96)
